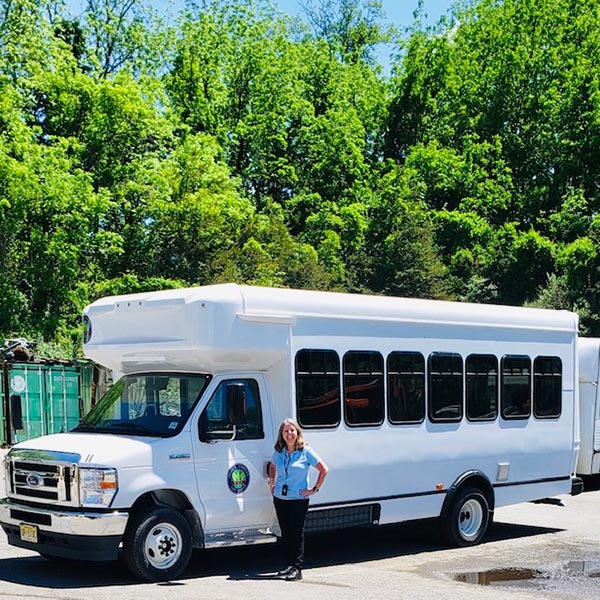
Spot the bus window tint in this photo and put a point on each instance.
(215, 423)
(547, 387)
(363, 388)
(406, 387)
(445, 387)
(482, 387)
(516, 387)
(318, 388)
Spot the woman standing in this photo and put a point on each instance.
(288, 478)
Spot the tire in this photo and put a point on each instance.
(468, 518)
(157, 546)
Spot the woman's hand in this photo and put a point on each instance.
(307, 493)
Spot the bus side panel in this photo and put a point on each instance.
(589, 418)
(403, 467)
(589, 409)
(507, 495)
(410, 509)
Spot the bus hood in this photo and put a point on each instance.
(92, 449)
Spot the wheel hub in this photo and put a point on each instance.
(470, 519)
(166, 546)
(163, 546)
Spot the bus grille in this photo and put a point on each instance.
(42, 481)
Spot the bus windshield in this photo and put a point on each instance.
(149, 404)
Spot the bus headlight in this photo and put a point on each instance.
(97, 487)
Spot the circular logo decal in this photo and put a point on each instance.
(34, 480)
(87, 329)
(18, 383)
(238, 478)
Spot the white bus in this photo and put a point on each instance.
(589, 406)
(420, 409)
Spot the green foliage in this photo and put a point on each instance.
(130, 283)
(573, 220)
(351, 28)
(400, 254)
(240, 145)
(517, 263)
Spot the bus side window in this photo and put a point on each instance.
(482, 387)
(406, 387)
(445, 391)
(363, 388)
(318, 388)
(547, 387)
(516, 387)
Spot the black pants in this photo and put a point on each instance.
(291, 515)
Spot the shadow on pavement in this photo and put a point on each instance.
(256, 562)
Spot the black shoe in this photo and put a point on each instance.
(285, 571)
(294, 575)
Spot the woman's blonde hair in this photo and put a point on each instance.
(280, 443)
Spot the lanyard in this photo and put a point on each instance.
(286, 462)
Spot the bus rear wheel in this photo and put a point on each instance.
(467, 519)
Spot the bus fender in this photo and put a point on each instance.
(177, 500)
(473, 478)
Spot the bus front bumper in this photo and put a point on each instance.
(77, 535)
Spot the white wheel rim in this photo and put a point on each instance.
(470, 519)
(163, 546)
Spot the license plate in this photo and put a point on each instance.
(29, 533)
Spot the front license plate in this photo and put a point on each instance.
(29, 533)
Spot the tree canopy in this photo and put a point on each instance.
(238, 144)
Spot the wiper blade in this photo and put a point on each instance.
(117, 427)
(84, 428)
(127, 426)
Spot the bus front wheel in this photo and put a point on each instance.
(467, 519)
(158, 545)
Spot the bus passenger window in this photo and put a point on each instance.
(482, 387)
(363, 388)
(318, 388)
(406, 387)
(516, 387)
(547, 387)
(445, 394)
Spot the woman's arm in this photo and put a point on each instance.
(323, 470)
(271, 472)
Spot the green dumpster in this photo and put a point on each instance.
(50, 398)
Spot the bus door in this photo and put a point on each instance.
(231, 458)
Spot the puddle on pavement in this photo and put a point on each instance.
(519, 577)
(498, 576)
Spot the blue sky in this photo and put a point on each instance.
(398, 12)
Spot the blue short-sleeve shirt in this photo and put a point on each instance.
(292, 469)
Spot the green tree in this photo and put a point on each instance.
(401, 255)
(121, 35)
(351, 28)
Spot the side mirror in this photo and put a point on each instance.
(236, 404)
(16, 412)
